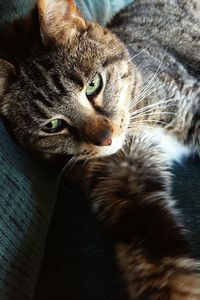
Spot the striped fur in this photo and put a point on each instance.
(150, 103)
(131, 195)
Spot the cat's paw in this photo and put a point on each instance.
(185, 287)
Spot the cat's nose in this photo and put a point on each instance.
(104, 138)
(98, 133)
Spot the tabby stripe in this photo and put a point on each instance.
(113, 59)
(75, 79)
(58, 83)
(39, 96)
(44, 80)
(193, 128)
(47, 64)
(39, 110)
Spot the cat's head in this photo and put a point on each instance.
(69, 93)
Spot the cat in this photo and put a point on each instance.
(126, 99)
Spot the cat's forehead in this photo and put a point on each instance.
(57, 78)
(85, 54)
(79, 65)
(54, 84)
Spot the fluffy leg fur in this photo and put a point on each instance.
(131, 195)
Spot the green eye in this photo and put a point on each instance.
(94, 86)
(54, 126)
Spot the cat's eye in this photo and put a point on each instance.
(54, 126)
(94, 86)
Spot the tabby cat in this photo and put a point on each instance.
(126, 98)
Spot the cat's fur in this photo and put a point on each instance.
(149, 103)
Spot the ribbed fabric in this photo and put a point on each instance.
(13, 9)
(27, 191)
(101, 11)
(27, 198)
(97, 10)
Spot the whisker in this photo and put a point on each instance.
(150, 111)
(62, 171)
(69, 163)
(63, 187)
(77, 158)
(143, 50)
(153, 105)
(153, 113)
(146, 121)
(142, 94)
(148, 84)
(85, 162)
(137, 99)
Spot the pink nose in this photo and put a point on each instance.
(104, 138)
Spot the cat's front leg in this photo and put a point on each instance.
(131, 195)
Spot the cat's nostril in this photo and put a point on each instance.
(104, 138)
(98, 135)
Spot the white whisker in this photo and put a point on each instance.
(145, 121)
(140, 96)
(148, 84)
(153, 113)
(63, 170)
(132, 57)
(143, 93)
(153, 105)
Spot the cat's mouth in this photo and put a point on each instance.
(102, 151)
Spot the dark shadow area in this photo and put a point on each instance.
(187, 192)
(78, 262)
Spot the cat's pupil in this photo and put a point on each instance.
(54, 126)
(50, 125)
(94, 86)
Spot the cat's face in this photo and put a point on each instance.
(73, 97)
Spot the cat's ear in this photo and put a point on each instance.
(59, 20)
(6, 71)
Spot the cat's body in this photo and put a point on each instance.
(151, 106)
(162, 37)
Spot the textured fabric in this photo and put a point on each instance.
(13, 9)
(27, 197)
(27, 191)
(101, 11)
(98, 10)
(187, 191)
